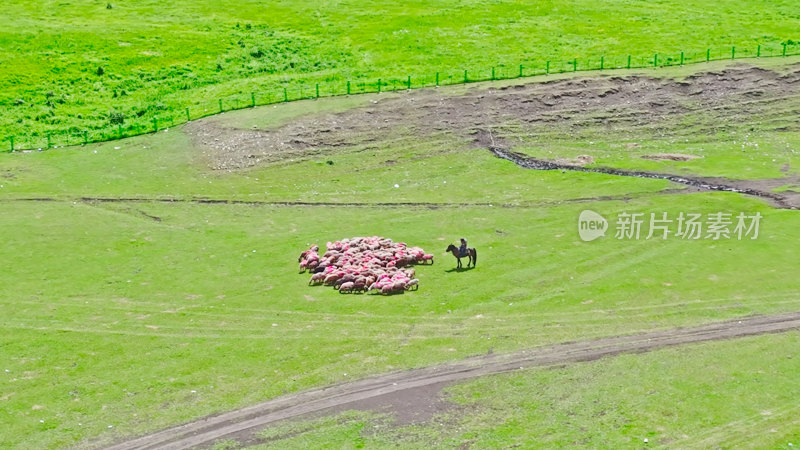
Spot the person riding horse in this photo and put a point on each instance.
(462, 251)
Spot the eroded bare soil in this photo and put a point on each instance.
(622, 107)
(619, 104)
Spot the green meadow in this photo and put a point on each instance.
(128, 304)
(130, 301)
(107, 68)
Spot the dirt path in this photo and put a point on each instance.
(401, 385)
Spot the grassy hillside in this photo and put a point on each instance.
(132, 314)
(75, 66)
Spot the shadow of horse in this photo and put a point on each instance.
(459, 269)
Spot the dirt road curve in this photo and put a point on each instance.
(207, 430)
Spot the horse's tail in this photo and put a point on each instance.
(474, 257)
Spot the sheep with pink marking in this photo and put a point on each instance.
(365, 264)
(309, 259)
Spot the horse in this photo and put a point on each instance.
(471, 253)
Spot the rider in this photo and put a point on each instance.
(462, 251)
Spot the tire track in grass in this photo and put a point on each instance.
(398, 384)
(537, 330)
(309, 204)
(312, 318)
(739, 432)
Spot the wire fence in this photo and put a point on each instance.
(153, 124)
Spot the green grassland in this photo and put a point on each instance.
(113, 318)
(125, 317)
(72, 66)
(737, 394)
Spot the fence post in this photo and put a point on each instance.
(758, 51)
(437, 78)
(85, 137)
(655, 60)
(12, 143)
(629, 61)
(708, 55)
(681, 58)
(575, 65)
(220, 105)
(188, 118)
(520, 70)
(784, 49)
(547, 68)
(348, 87)
(155, 124)
(492, 73)
(285, 95)
(733, 52)
(465, 75)
(602, 62)
(119, 133)
(253, 99)
(409, 82)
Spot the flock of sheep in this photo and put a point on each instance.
(363, 264)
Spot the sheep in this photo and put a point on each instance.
(317, 278)
(370, 263)
(358, 287)
(330, 279)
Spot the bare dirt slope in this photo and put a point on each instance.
(626, 108)
(622, 105)
(395, 387)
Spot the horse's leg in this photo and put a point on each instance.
(459, 262)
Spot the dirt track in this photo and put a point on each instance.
(398, 385)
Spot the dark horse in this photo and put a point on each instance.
(471, 253)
